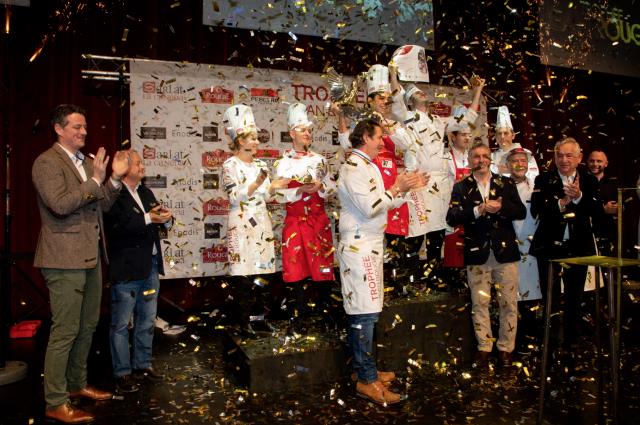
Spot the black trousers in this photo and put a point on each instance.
(573, 278)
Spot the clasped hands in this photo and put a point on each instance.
(490, 206)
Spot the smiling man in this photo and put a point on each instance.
(565, 201)
(486, 205)
(364, 203)
(72, 194)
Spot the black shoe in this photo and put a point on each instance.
(149, 374)
(504, 359)
(481, 360)
(125, 384)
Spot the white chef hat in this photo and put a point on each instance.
(297, 116)
(412, 63)
(457, 121)
(238, 120)
(503, 120)
(378, 79)
(410, 90)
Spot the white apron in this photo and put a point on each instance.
(363, 217)
(529, 286)
(250, 240)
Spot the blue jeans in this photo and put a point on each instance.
(360, 342)
(137, 298)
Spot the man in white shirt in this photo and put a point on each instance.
(363, 216)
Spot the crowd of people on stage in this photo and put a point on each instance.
(492, 214)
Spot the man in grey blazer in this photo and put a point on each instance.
(72, 194)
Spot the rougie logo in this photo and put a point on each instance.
(216, 206)
(216, 94)
(216, 254)
(216, 158)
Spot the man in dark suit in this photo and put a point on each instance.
(605, 226)
(565, 200)
(136, 261)
(72, 194)
(486, 205)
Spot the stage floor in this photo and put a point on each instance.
(199, 389)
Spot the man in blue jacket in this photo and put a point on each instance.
(136, 261)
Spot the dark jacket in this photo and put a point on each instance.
(548, 239)
(129, 240)
(489, 231)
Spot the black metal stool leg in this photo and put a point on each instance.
(545, 344)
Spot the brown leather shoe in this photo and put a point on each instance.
(377, 393)
(383, 377)
(92, 393)
(504, 359)
(69, 415)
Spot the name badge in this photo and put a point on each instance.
(387, 163)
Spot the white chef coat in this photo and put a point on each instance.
(250, 240)
(363, 216)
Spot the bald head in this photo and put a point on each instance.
(597, 162)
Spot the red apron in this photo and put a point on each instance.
(454, 243)
(307, 245)
(397, 218)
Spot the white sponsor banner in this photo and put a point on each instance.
(176, 125)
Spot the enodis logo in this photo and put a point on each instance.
(216, 94)
(216, 254)
(216, 206)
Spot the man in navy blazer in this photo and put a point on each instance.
(486, 205)
(134, 248)
(565, 200)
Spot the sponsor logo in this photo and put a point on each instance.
(210, 133)
(285, 137)
(185, 133)
(164, 90)
(156, 182)
(216, 206)
(440, 109)
(185, 233)
(263, 136)
(268, 153)
(210, 181)
(216, 254)
(215, 159)
(212, 230)
(264, 95)
(149, 87)
(177, 207)
(162, 158)
(185, 182)
(153, 133)
(216, 94)
(175, 255)
(334, 138)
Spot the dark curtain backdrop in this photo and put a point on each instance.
(607, 119)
